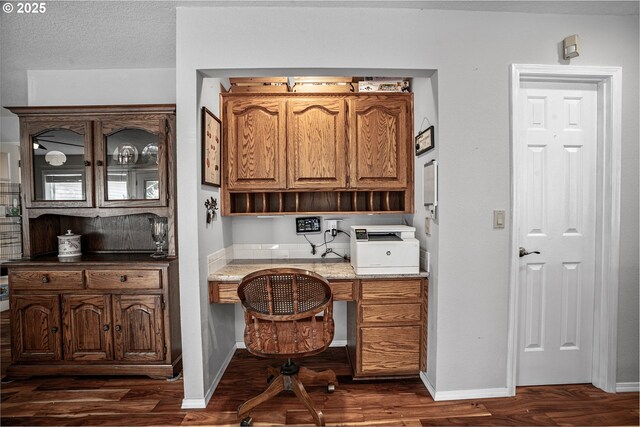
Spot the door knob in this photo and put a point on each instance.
(524, 252)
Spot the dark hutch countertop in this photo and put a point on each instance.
(93, 258)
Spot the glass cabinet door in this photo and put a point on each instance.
(60, 162)
(133, 160)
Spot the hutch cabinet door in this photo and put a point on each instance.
(255, 129)
(138, 327)
(87, 327)
(316, 143)
(131, 159)
(35, 328)
(379, 128)
(57, 160)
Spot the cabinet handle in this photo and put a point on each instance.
(45, 279)
(87, 163)
(118, 328)
(123, 278)
(54, 329)
(99, 162)
(105, 328)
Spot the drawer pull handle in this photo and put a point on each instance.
(105, 328)
(45, 279)
(123, 278)
(54, 329)
(118, 328)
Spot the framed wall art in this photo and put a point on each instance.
(211, 148)
(425, 141)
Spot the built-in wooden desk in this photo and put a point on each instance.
(386, 315)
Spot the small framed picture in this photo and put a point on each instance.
(425, 141)
(211, 148)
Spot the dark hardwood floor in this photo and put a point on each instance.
(143, 401)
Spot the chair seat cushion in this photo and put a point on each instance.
(289, 339)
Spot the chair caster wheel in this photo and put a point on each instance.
(331, 388)
(246, 422)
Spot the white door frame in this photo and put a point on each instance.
(605, 326)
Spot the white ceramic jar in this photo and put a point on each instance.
(69, 245)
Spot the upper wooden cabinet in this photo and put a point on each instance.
(101, 171)
(103, 156)
(379, 153)
(303, 153)
(316, 143)
(255, 156)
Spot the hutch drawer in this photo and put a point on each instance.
(45, 279)
(124, 279)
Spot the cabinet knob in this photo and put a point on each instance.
(45, 279)
(118, 328)
(105, 328)
(123, 278)
(54, 329)
(99, 162)
(87, 163)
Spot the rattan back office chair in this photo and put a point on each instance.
(282, 309)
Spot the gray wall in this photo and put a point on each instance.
(471, 52)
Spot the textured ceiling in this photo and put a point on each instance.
(141, 34)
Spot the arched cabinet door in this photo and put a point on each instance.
(138, 328)
(255, 143)
(35, 328)
(58, 158)
(131, 161)
(87, 327)
(316, 143)
(378, 147)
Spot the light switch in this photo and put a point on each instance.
(498, 218)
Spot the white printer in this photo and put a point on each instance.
(384, 249)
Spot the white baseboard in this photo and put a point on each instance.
(334, 343)
(482, 393)
(430, 388)
(627, 387)
(203, 402)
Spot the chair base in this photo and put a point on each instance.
(291, 377)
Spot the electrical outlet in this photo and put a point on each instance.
(332, 225)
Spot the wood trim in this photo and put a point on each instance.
(92, 110)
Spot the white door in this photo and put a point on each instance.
(556, 155)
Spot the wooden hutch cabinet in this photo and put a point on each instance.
(317, 153)
(102, 172)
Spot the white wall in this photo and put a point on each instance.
(471, 52)
(217, 332)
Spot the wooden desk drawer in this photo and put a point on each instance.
(390, 289)
(227, 292)
(390, 313)
(124, 279)
(223, 292)
(342, 290)
(391, 351)
(43, 280)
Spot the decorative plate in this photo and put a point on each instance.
(150, 153)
